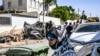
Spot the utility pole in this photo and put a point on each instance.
(90, 15)
(38, 10)
(83, 14)
(43, 10)
(78, 13)
(82, 19)
(43, 17)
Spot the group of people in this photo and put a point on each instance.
(58, 41)
(70, 27)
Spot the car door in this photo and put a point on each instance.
(85, 50)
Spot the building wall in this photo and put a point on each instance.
(14, 5)
(17, 22)
(27, 5)
(31, 5)
(34, 5)
(56, 21)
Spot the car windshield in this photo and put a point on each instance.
(88, 28)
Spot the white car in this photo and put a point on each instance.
(86, 39)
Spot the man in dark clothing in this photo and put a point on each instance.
(52, 37)
(48, 26)
(62, 48)
(69, 29)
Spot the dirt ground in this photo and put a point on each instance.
(22, 42)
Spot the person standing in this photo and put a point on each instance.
(69, 29)
(60, 48)
(66, 24)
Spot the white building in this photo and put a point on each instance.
(25, 5)
(9, 21)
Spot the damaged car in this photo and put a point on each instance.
(86, 39)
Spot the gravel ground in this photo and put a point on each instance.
(22, 42)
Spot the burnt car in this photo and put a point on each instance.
(33, 31)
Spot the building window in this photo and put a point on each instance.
(20, 2)
(38, 4)
(31, 3)
(9, 4)
(5, 21)
(35, 3)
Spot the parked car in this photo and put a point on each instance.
(86, 39)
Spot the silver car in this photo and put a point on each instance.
(86, 39)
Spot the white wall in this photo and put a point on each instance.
(34, 6)
(56, 21)
(18, 22)
(30, 6)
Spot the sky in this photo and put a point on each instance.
(91, 7)
(0, 2)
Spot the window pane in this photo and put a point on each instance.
(9, 4)
(20, 2)
(5, 21)
(89, 28)
(31, 3)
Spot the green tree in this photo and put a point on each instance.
(73, 16)
(71, 9)
(61, 12)
(64, 13)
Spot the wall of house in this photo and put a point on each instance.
(27, 5)
(34, 5)
(14, 5)
(56, 21)
(17, 22)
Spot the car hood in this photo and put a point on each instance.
(85, 36)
